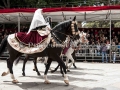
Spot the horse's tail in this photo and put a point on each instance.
(3, 45)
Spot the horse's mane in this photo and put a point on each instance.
(61, 25)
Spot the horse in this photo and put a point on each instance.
(59, 34)
(69, 56)
(71, 52)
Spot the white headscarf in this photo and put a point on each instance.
(38, 20)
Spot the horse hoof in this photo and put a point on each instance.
(34, 70)
(15, 81)
(75, 67)
(66, 81)
(52, 71)
(68, 70)
(38, 74)
(4, 74)
(23, 74)
(67, 67)
(47, 82)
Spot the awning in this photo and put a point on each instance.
(88, 13)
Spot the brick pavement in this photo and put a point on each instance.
(88, 76)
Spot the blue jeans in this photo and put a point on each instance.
(104, 54)
(114, 56)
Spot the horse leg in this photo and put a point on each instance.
(6, 73)
(13, 56)
(74, 57)
(69, 56)
(35, 65)
(61, 71)
(67, 60)
(10, 65)
(74, 65)
(62, 64)
(52, 71)
(45, 60)
(24, 63)
(46, 71)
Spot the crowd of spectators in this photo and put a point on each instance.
(96, 37)
(99, 37)
(4, 32)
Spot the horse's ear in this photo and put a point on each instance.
(74, 18)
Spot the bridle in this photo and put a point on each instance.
(73, 32)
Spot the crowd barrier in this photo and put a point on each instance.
(88, 53)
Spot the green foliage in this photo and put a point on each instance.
(102, 24)
(117, 24)
(40, 3)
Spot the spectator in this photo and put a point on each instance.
(104, 54)
(98, 48)
(119, 48)
(0, 39)
(118, 36)
(3, 32)
(92, 48)
(114, 50)
(108, 47)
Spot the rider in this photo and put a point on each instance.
(38, 30)
(39, 21)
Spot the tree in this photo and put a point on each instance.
(5, 3)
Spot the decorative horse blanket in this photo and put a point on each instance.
(29, 43)
(66, 49)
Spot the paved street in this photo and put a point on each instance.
(88, 76)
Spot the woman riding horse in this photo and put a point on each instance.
(34, 35)
(58, 33)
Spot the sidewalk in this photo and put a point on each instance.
(88, 76)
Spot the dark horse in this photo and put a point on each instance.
(35, 65)
(59, 34)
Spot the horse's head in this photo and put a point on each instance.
(66, 28)
(76, 44)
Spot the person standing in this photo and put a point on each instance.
(98, 48)
(104, 52)
(108, 47)
(113, 51)
(119, 48)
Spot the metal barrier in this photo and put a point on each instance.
(90, 53)
(87, 53)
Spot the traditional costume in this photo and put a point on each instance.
(36, 39)
(38, 30)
